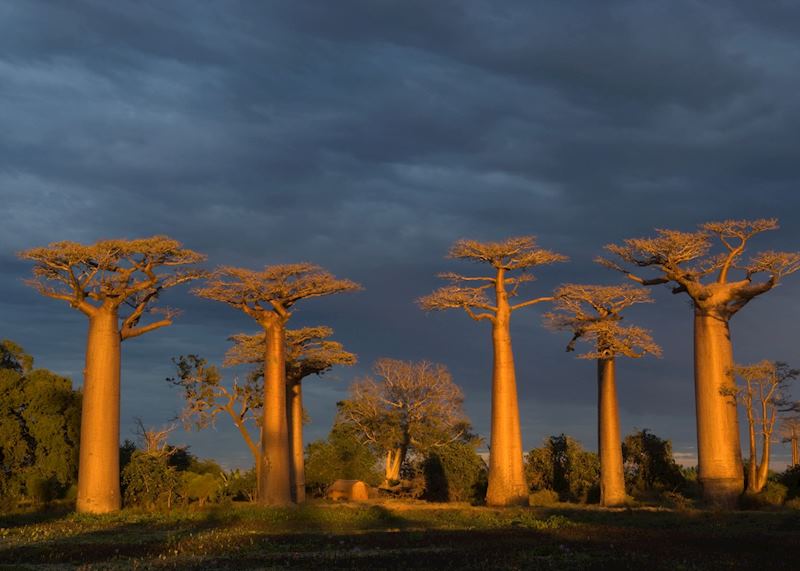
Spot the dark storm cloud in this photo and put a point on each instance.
(368, 135)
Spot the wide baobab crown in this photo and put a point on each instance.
(519, 253)
(687, 260)
(593, 313)
(114, 273)
(274, 289)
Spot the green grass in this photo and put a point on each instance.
(402, 535)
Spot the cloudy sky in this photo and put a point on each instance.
(366, 136)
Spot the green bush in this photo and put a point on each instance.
(200, 487)
(240, 485)
(454, 473)
(772, 495)
(649, 464)
(341, 457)
(563, 466)
(149, 481)
(543, 498)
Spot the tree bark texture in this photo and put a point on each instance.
(612, 479)
(719, 454)
(275, 479)
(98, 467)
(394, 460)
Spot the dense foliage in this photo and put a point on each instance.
(455, 473)
(649, 464)
(341, 456)
(563, 466)
(39, 429)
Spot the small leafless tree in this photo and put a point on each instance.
(593, 313)
(489, 298)
(687, 261)
(762, 392)
(790, 433)
(115, 283)
(269, 296)
(405, 406)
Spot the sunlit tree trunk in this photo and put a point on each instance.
(394, 460)
(794, 451)
(718, 450)
(506, 474)
(752, 469)
(275, 481)
(612, 479)
(98, 470)
(763, 468)
(294, 411)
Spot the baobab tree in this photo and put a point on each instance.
(790, 433)
(114, 283)
(309, 351)
(406, 406)
(506, 472)
(686, 260)
(593, 313)
(762, 392)
(268, 296)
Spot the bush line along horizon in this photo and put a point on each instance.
(116, 282)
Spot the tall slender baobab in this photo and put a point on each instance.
(309, 351)
(268, 296)
(684, 259)
(100, 280)
(790, 432)
(506, 474)
(592, 313)
(762, 393)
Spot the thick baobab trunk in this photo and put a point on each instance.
(294, 413)
(275, 481)
(612, 478)
(719, 454)
(98, 468)
(506, 473)
(394, 460)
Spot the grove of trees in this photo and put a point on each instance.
(407, 417)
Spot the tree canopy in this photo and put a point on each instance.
(593, 313)
(687, 259)
(113, 273)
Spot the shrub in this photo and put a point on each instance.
(791, 479)
(240, 485)
(562, 465)
(453, 473)
(543, 498)
(676, 500)
(772, 495)
(649, 464)
(149, 481)
(200, 487)
(341, 457)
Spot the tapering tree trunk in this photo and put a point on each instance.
(752, 465)
(612, 478)
(719, 454)
(763, 467)
(794, 451)
(394, 460)
(275, 480)
(294, 412)
(506, 473)
(98, 468)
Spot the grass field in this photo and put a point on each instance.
(403, 535)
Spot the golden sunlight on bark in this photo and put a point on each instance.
(98, 280)
(506, 475)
